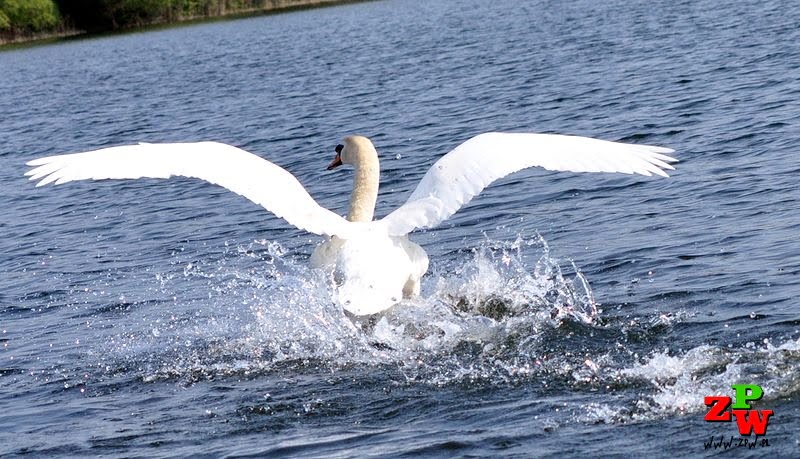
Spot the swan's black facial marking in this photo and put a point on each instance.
(337, 161)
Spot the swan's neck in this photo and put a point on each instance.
(365, 191)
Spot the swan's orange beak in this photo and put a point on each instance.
(337, 161)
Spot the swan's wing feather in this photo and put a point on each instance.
(255, 178)
(461, 174)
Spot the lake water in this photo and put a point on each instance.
(159, 318)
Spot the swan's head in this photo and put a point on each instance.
(356, 150)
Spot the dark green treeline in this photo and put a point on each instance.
(25, 17)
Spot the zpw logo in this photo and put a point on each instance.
(747, 420)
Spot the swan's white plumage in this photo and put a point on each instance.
(373, 261)
(255, 178)
(458, 176)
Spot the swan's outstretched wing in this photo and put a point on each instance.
(255, 178)
(461, 174)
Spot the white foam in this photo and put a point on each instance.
(260, 306)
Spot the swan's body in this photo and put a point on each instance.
(373, 271)
(373, 262)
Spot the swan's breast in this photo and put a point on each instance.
(371, 270)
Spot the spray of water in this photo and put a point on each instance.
(503, 313)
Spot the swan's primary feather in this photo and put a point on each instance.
(461, 174)
(255, 178)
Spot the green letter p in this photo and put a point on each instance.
(743, 397)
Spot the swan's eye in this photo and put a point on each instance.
(338, 148)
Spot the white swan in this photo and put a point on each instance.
(373, 262)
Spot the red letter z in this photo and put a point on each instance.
(719, 405)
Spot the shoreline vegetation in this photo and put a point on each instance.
(25, 21)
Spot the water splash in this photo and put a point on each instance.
(682, 381)
(255, 307)
(503, 313)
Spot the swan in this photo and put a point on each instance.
(373, 263)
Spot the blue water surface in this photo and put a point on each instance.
(563, 314)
